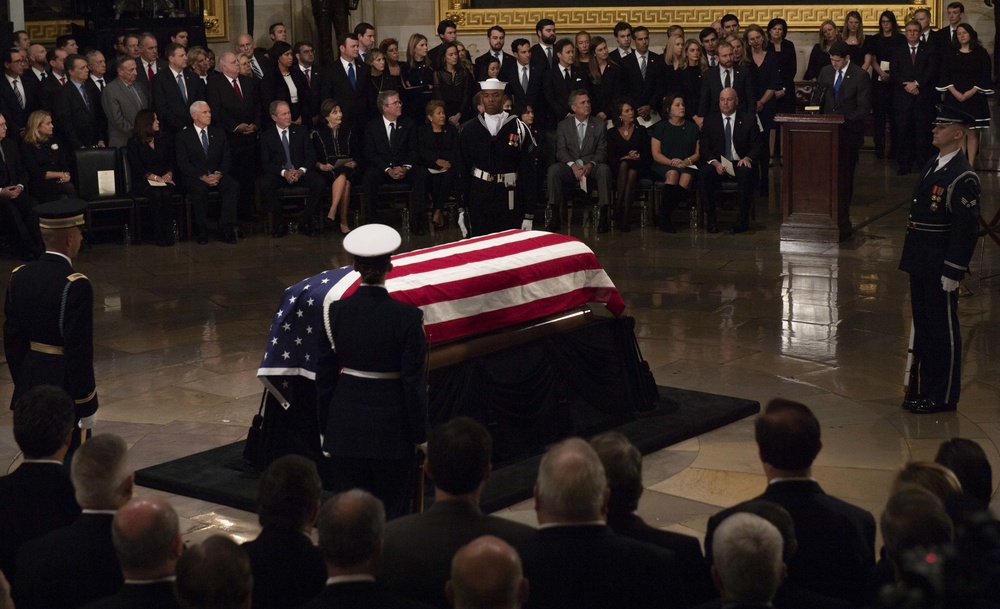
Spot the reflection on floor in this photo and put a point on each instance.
(179, 333)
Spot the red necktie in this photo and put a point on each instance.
(913, 55)
(236, 87)
(308, 80)
(62, 80)
(149, 67)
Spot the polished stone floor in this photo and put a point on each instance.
(179, 332)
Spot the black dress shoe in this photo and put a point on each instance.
(930, 406)
(202, 238)
(903, 171)
(739, 228)
(280, 230)
(229, 235)
(238, 230)
(712, 228)
(603, 227)
(306, 228)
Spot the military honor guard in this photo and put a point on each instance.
(941, 234)
(495, 147)
(371, 379)
(49, 317)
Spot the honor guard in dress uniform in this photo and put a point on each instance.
(371, 379)
(941, 235)
(49, 326)
(495, 148)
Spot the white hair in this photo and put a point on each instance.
(571, 481)
(746, 553)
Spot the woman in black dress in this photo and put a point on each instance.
(606, 79)
(284, 82)
(880, 47)
(689, 78)
(965, 81)
(437, 144)
(334, 144)
(151, 161)
(628, 157)
(674, 61)
(418, 78)
(382, 79)
(584, 46)
(390, 48)
(784, 52)
(819, 58)
(46, 160)
(766, 81)
(453, 85)
(674, 150)
(853, 34)
(529, 179)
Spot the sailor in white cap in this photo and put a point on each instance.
(494, 148)
(371, 381)
(49, 317)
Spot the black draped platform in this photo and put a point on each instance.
(219, 475)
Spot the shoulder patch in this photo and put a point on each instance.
(76, 276)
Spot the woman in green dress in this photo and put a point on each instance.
(674, 143)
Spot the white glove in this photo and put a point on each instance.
(526, 224)
(463, 223)
(87, 422)
(948, 284)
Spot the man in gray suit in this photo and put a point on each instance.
(581, 158)
(847, 86)
(122, 99)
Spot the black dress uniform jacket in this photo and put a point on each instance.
(507, 152)
(49, 330)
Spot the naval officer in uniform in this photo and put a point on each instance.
(492, 145)
(941, 234)
(371, 380)
(49, 317)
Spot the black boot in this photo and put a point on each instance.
(603, 222)
(668, 203)
(623, 223)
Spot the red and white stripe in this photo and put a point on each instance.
(489, 282)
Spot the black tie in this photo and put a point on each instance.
(729, 82)
(569, 79)
(392, 135)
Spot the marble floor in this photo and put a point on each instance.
(179, 332)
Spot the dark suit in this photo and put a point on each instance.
(229, 111)
(355, 102)
(142, 73)
(483, 61)
(540, 59)
(193, 162)
(19, 219)
(643, 90)
(748, 143)
(78, 123)
(17, 117)
(48, 91)
(288, 570)
(557, 89)
(358, 595)
(568, 150)
(570, 567)
(836, 539)
(121, 105)
(317, 81)
(273, 162)
(712, 85)
(533, 96)
(687, 550)
(417, 550)
(372, 425)
(158, 595)
(940, 239)
(171, 108)
(914, 113)
(274, 88)
(852, 102)
(35, 499)
(380, 156)
(68, 567)
(43, 309)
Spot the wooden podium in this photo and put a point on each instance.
(814, 190)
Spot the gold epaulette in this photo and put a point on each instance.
(76, 276)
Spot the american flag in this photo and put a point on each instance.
(464, 288)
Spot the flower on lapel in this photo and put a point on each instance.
(54, 146)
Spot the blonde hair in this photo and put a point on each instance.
(35, 120)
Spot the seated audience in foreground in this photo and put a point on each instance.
(746, 561)
(214, 574)
(487, 573)
(967, 460)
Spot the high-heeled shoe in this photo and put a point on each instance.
(344, 229)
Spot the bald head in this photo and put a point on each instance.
(728, 100)
(244, 44)
(487, 574)
(147, 538)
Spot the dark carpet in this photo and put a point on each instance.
(218, 475)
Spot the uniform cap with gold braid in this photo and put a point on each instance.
(949, 114)
(64, 213)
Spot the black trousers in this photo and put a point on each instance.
(913, 125)
(229, 190)
(271, 183)
(937, 341)
(391, 480)
(416, 177)
(709, 180)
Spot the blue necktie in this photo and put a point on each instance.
(351, 77)
(180, 83)
(729, 136)
(840, 79)
(204, 140)
(83, 92)
(288, 152)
